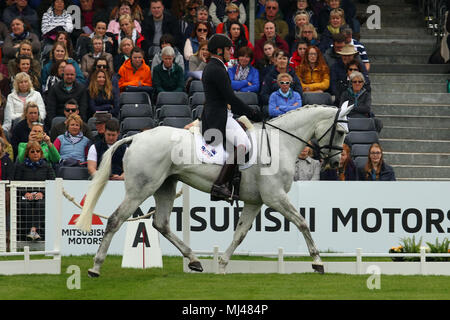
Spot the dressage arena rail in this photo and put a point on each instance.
(357, 267)
(28, 265)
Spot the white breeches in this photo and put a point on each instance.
(235, 135)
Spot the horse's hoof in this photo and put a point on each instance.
(195, 266)
(93, 274)
(318, 268)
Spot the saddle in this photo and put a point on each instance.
(234, 179)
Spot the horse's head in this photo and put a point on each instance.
(330, 135)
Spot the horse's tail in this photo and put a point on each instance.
(101, 177)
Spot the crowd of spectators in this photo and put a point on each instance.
(57, 62)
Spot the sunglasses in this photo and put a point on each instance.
(192, 8)
(102, 66)
(202, 30)
(35, 151)
(357, 81)
(353, 69)
(271, 8)
(70, 110)
(285, 82)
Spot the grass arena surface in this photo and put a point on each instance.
(171, 283)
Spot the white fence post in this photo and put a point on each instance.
(358, 261)
(422, 261)
(216, 259)
(2, 217)
(280, 260)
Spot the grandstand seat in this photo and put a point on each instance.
(361, 137)
(360, 150)
(130, 133)
(360, 162)
(196, 86)
(249, 98)
(171, 98)
(197, 112)
(198, 98)
(317, 98)
(136, 110)
(172, 110)
(177, 122)
(136, 124)
(57, 119)
(134, 97)
(361, 124)
(73, 173)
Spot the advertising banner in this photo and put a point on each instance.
(341, 216)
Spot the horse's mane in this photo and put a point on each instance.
(289, 113)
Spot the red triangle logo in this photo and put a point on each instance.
(95, 220)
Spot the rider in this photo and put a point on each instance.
(217, 116)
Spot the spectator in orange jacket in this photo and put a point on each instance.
(135, 74)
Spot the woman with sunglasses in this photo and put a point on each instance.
(376, 169)
(218, 10)
(284, 99)
(313, 72)
(34, 167)
(201, 32)
(357, 95)
(37, 134)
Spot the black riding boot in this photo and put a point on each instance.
(220, 190)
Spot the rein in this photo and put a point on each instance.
(328, 146)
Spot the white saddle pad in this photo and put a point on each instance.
(207, 153)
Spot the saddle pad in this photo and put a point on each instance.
(217, 154)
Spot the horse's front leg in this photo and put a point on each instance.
(281, 203)
(246, 219)
(164, 198)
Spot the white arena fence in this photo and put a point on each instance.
(23, 212)
(342, 217)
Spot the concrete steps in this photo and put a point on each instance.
(395, 87)
(408, 94)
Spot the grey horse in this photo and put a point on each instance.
(150, 170)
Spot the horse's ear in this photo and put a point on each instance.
(345, 110)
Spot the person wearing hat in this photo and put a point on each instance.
(338, 71)
(217, 116)
(101, 117)
(348, 33)
(71, 107)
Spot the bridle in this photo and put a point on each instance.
(316, 147)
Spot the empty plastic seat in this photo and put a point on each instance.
(360, 150)
(361, 124)
(197, 112)
(176, 122)
(171, 98)
(361, 137)
(134, 97)
(130, 133)
(249, 98)
(58, 119)
(171, 110)
(136, 110)
(317, 98)
(73, 173)
(196, 86)
(136, 124)
(198, 98)
(360, 162)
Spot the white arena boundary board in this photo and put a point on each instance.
(374, 216)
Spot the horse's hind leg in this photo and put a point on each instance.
(115, 221)
(284, 206)
(164, 198)
(246, 219)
